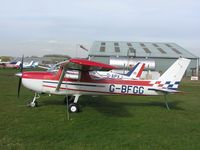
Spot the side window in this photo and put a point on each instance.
(72, 74)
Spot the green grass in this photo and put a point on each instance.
(106, 122)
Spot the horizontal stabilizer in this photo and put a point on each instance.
(164, 90)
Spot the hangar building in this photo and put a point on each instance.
(163, 54)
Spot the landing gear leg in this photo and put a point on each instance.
(166, 103)
(34, 102)
(73, 106)
(68, 99)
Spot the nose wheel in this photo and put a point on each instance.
(34, 102)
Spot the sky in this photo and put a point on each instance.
(39, 27)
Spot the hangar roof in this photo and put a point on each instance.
(139, 49)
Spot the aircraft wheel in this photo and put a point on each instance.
(33, 104)
(73, 108)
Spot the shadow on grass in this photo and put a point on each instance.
(119, 109)
(105, 106)
(172, 105)
(110, 108)
(54, 101)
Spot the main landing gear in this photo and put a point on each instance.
(72, 103)
(34, 101)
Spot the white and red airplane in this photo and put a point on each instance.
(58, 83)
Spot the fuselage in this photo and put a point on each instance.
(46, 82)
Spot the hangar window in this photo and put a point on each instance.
(142, 44)
(129, 44)
(132, 50)
(161, 50)
(176, 51)
(102, 49)
(168, 45)
(147, 50)
(117, 49)
(155, 45)
(103, 43)
(116, 44)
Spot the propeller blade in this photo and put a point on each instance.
(19, 87)
(20, 76)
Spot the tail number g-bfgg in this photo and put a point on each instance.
(127, 89)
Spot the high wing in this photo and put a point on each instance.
(82, 65)
(86, 65)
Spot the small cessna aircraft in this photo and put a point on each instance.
(58, 83)
(27, 65)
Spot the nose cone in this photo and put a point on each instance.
(19, 74)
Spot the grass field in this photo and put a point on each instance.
(106, 122)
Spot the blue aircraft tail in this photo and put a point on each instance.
(133, 69)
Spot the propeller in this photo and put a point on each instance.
(20, 76)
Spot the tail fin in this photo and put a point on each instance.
(136, 71)
(172, 77)
(35, 64)
(18, 63)
(31, 63)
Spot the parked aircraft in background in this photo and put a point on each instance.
(35, 64)
(57, 83)
(9, 64)
(18, 64)
(133, 74)
(28, 65)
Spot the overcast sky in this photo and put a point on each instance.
(38, 27)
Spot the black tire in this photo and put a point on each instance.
(35, 104)
(73, 108)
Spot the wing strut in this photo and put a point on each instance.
(61, 78)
